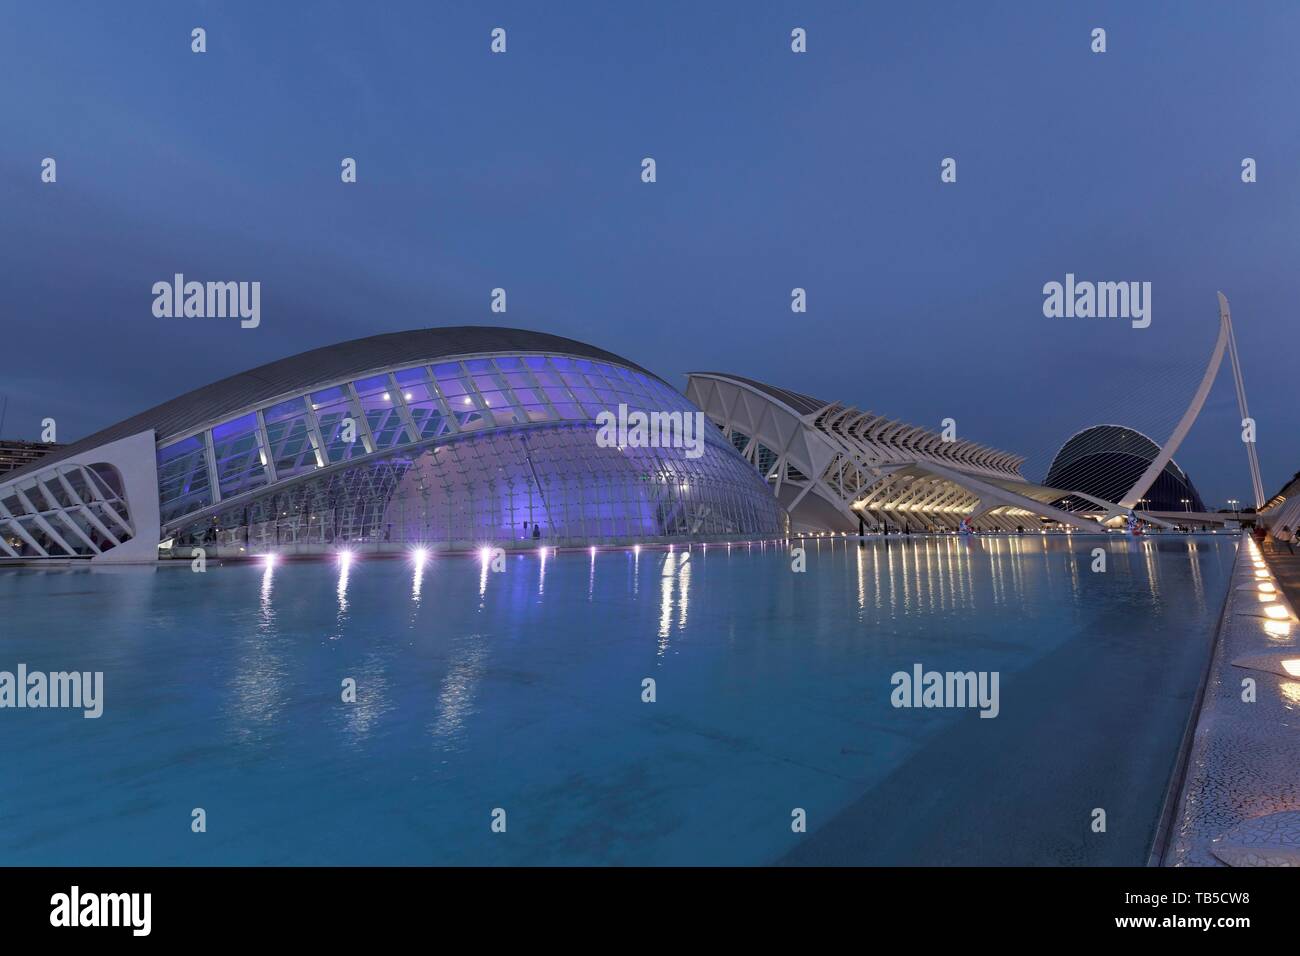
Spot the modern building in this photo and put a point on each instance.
(1104, 461)
(15, 453)
(448, 438)
(836, 468)
(1283, 509)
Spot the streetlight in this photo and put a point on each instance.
(1186, 504)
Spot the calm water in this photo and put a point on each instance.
(522, 690)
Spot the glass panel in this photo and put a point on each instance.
(289, 409)
(239, 459)
(377, 384)
(290, 438)
(183, 478)
(333, 414)
(382, 412)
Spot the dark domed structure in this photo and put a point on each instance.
(1106, 460)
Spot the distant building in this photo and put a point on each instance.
(1284, 507)
(1105, 460)
(15, 453)
(836, 468)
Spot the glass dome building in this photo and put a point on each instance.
(448, 438)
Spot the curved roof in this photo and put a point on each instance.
(322, 366)
(798, 402)
(1108, 439)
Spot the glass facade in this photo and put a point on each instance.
(465, 452)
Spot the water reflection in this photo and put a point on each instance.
(418, 558)
(257, 692)
(674, 594)
(266, 611)
(456, 695)
(345, 567)
(373, 700)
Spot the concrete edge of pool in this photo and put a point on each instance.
(1236, 798)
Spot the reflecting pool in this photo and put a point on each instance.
(522, 690)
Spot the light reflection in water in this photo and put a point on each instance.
(1074, 571)
(666, 600)
(683, 591)
(674, 590)
(862, 581)
(267, 610)
(456, 696)
(416, 581)
(257, 691)
(345, 565)
(372, 700)
(1198, 586)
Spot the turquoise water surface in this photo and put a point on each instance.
(522, 690)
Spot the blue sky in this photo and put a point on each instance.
(775, 170)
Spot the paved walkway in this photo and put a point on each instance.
(1240, 799)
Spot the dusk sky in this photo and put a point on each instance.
(774, 169)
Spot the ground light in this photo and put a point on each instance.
(345, 558)
(419, 556)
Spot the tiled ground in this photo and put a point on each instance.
(1244, 763)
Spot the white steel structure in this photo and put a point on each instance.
(832, 465)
